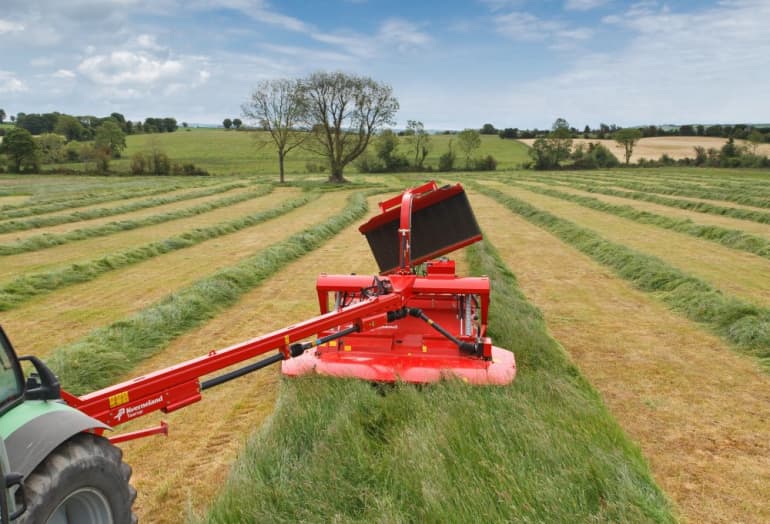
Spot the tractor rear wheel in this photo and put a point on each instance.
(83, 481)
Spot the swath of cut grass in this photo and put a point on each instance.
(26, 287)
(544, 449)
(57, 203)
(689, 205)
(732, 238)
(106, 353)
(45, 221)
(745, 325)
(45, 241)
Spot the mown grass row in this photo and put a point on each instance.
(26, 287)
(762, 217)
(745, 325)
(744, 196)
(45, 241)
(107, 353)
(543, 449)
(45, 221)
(715, 180)
(59, 203)
(732, 238)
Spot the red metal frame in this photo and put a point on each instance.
(398, 327)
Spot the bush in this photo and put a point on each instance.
(189, 169)
(488, 163)
(446, 161)
(596, 156)
(139, 164)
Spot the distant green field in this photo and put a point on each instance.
(223, 152)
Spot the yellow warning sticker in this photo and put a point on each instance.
(348, 348)
(424, 348)
(117, 400)
(333, 344)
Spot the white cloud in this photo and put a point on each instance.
(126, 67)
(10, 84)
(703, 66)
(403, 34)
(583, 5)
(526, 27)
(7, 26)
(64, 74)
(148, 42)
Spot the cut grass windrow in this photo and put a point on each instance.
(108, 353)
(45, 221)
(740, 196)
(762, 217)
(745, 325)
(45, 241)
(544, 449)
(26, 287)
(57, 203)
(732, 238)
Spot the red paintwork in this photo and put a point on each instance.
(409, 349)
(406, 349)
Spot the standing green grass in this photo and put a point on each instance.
(541, 450)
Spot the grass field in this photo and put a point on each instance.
(637, 302)
(225, 152)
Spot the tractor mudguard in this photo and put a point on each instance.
(44, 425)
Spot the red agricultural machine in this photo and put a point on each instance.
(415, 322)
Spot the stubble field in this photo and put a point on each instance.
(651, 404)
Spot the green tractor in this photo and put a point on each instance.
(55, 468)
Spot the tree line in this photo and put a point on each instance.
(83, 128)
(605, 131)
(554, 151)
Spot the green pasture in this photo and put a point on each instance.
(223, 152)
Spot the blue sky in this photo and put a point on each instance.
(452, 64)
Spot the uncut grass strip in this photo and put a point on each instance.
(762, 217)
(732, 238)
(662, 376)
(37, 222)
(59, 204)
(26, 287)
(744, 325)
(45, 241)
(544, 449)
(107, 353)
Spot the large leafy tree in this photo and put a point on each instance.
(21, 149)
(549, 151)
(345, 111)
(627, 139)
(109, 137)
(278, 107)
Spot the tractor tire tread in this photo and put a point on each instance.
(78, 454)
